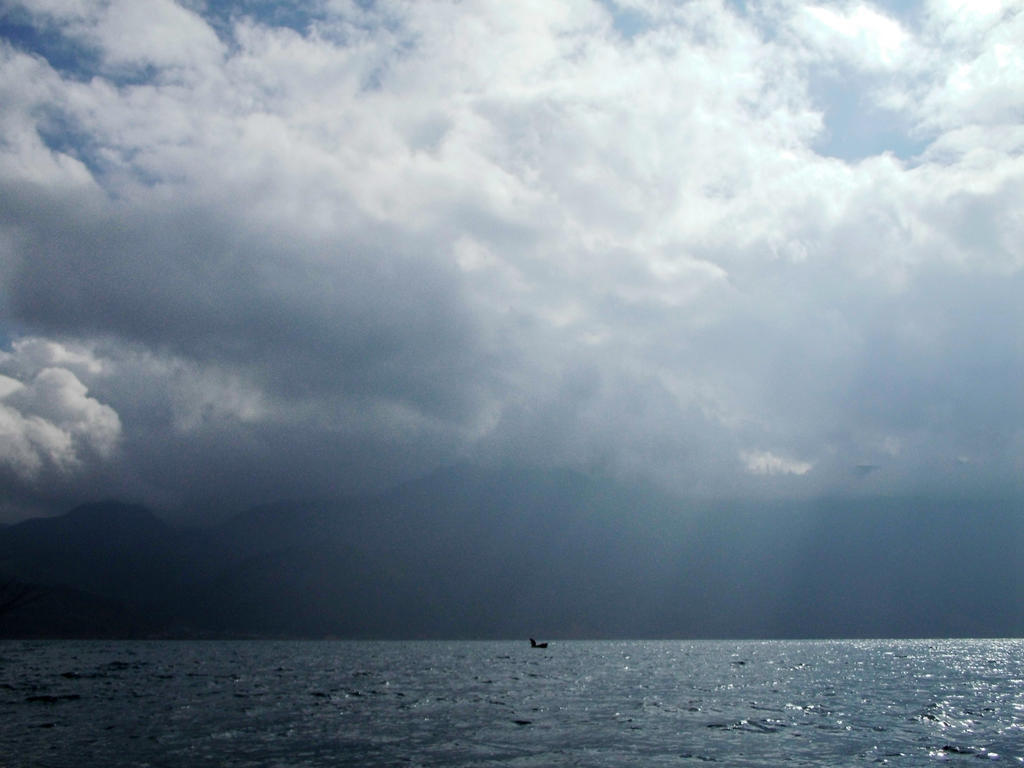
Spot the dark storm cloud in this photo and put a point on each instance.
(360, 316)
(273, 367)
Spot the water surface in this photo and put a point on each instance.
(607, 703)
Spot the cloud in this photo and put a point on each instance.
(768, 463)
(858, 34)
(381, 238)
(48, 423)
(966, 73)
(131, 36)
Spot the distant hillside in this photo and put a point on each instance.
(469, 553)
(119, 551)
(41, 611)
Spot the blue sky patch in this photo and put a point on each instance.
(856, 129)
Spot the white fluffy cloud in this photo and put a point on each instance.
(399, 234)
(859, 34)
(48, 423)
(767, 463)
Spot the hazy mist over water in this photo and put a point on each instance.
(472, 555)
(599, 703)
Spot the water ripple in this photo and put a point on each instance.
(903, 703)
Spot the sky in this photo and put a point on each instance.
(254, 250)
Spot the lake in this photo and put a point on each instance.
(585, 703)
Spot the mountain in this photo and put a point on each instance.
(472, 553)
(38, 611)
(120, 551)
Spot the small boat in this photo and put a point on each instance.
(535, 644)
